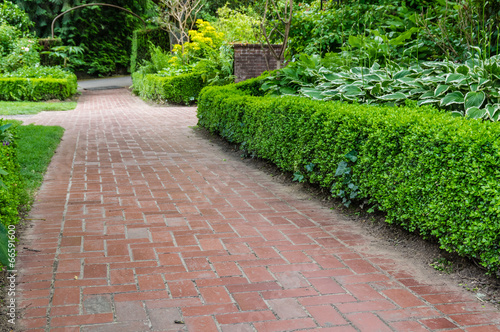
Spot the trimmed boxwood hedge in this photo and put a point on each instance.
(179, 89)
(32, 89)
(430, 172)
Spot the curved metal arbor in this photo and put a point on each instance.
(93, 4)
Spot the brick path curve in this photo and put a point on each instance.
(142, 223)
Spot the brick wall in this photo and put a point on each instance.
(250, 60)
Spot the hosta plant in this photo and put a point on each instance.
(470, 89)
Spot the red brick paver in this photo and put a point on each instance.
(141, 222)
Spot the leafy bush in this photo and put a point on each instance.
(202, 42)
(16, 52)
(12, 15)
(141, 41)
(38, 83)
(41, 72)
(431, 173)
(237, 26)
(179, 89)
(316, 31)
(206, 60)
(464, 27)
(12, 188)
(8, 34)
(469, 89)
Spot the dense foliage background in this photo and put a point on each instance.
(105, 33)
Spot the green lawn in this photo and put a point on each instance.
(36, 146)
(33, 107)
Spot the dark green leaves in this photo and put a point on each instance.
(474, 99)
(4, 240)
(456, 97)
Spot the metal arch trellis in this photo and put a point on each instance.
(94, 4)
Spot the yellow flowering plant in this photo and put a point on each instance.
(203, 42)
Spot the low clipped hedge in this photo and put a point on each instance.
(431, 173)
(179, 89)
(33, 89)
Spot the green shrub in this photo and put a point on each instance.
(180, 89)
(12, 189)
(14, 16)
(237, 26)
(33, 89)
(141, 41)
(16, 52)
(37, 83)
(430, 172)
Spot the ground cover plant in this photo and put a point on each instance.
(23, 161)
(465, 89)
(431, 173)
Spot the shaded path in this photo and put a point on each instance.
(141, 222)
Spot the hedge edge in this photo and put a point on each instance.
(431, 173)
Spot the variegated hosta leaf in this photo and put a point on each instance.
(287, 91)
(482, 81)
(385, 84)
(475, 113)
(456, 97)
(351, 91)
(332, 76)
(493, 112)
(393, 96)
(417, 91)
(442, 88)
(372, 78)
(463, 69)
(376, 89)
(427, 95)
(360, 71)
(411, 81)
(454, 78)
(401, 74)
(474, 99)
(456, 114)
(427, 101)
(312, 93)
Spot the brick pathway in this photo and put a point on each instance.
(141, 222)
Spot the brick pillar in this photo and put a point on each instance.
(250, 60)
